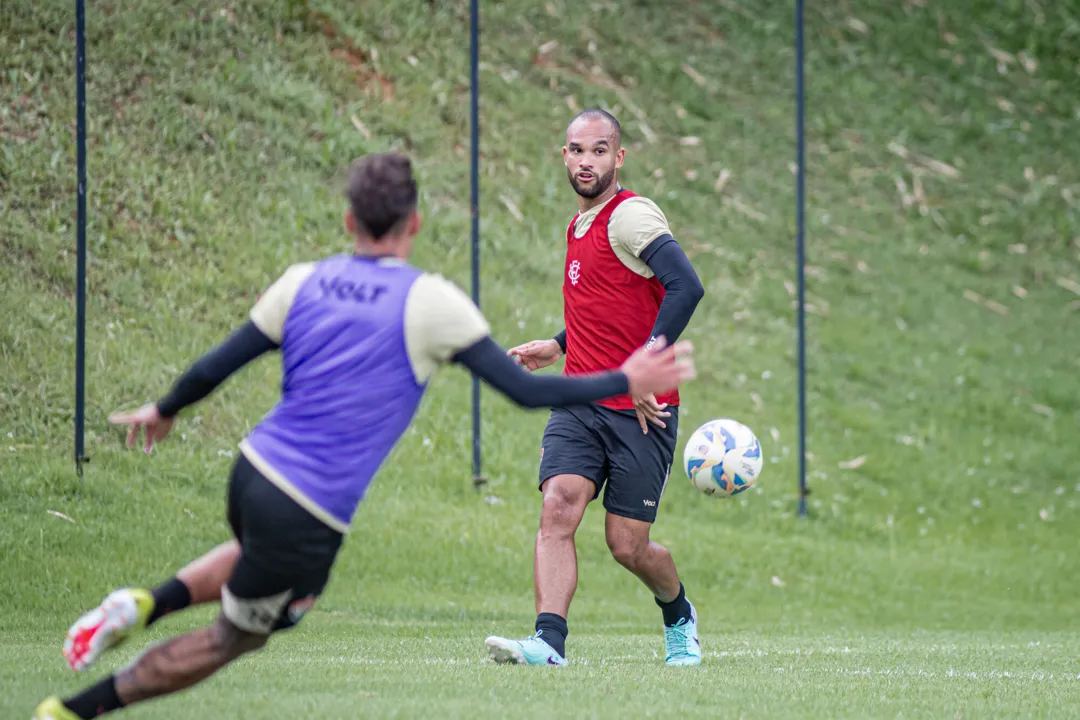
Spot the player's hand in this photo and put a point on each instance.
(649, 411)
(536, 354)
(147, 417)
(657, 370)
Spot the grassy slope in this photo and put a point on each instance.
(217, 135)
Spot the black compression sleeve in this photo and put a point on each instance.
(683, 288)
(489, 362)
(244, 345)
(561, 339)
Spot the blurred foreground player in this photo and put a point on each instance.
(627, 282)
(360, 336)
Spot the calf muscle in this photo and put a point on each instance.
(184, 660)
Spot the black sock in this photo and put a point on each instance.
(552, 630)
(677, 609)
(170, 596)
(95, 700)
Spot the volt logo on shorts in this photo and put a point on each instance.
(650, 503)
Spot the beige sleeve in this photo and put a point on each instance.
(634, 224)
(440, 320)
(272, 308)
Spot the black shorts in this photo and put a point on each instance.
(286, 554)
(607, 446)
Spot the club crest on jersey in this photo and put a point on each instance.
(574, 273)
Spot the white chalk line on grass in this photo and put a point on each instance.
(949, 674)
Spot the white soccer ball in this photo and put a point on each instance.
(722, 458)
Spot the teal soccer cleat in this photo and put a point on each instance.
(530, 651)
(681, 639)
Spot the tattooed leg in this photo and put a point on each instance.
(184, 661)
(169, 667)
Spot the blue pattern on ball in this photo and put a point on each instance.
(754, 452)
(729, 440)
(718, 476)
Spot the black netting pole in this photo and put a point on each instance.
(800, 240)
(80, 268)
(474, 182)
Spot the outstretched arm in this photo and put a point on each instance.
(244, 345)
(646, 371)
(261, 334)
(443, 325)
(489, 362)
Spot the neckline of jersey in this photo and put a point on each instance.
(598, 208)
(380, 259)
(619, 189)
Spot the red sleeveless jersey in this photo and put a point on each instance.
(609, 309)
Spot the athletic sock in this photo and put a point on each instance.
(95, 700)
(552, 630)
(676, 610)
(170, 596)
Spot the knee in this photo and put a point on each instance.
(562, 510)
(628, 552)
(229, 642)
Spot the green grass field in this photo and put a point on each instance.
(937, 574)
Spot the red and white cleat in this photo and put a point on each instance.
(123, 612)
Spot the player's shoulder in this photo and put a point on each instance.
(440, 294)
(437, 283)
(301, 269)
(437, 305)
(636, 221)
(291, 278)
(638, 205)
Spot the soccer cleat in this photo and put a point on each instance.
(530, 651)
(681, 640)
(121, 614)
(53, 709)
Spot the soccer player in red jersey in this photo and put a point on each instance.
(626, 282)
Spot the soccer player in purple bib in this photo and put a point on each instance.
(360, 335)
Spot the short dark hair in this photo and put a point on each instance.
(598, 114)
(382, 193)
